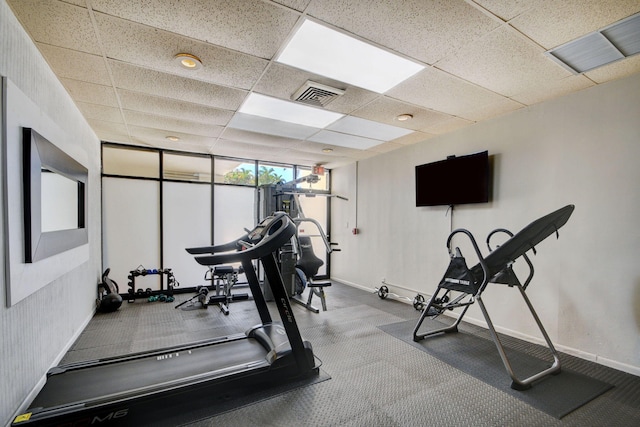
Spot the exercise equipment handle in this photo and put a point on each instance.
(267, 237)
(218, 248)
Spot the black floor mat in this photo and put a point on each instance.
(207, 406)
(556, 395)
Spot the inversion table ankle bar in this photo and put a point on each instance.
(461, 287)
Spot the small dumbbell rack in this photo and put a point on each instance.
(134, 293)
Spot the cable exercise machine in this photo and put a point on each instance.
(139, 388)
(462, 286)
(298, 261)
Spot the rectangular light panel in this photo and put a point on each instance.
(344, 140)
(286, 111)
(368, 129)
(321, 50)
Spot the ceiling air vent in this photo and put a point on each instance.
(316, 94)
(601, 47)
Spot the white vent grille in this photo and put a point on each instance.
(316, 94)
(601, 47)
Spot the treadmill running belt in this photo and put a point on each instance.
(151, 372)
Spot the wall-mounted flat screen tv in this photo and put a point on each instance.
(454, 181)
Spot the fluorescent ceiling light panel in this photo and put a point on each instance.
(263, 125)
(368, 128)
(344, 140)
(286, 111)
(321, 50)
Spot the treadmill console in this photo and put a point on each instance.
(262, 229)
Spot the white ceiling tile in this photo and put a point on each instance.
(298, 5)
(338, 150)
(73, 64)
(82, 3)
(386, 147)
(440, 91)
(497, 107)
(254, 27)
(504, 62)
(616, 70)
(367, 128)
(248, 151)
(174, 108)
(158, 138)
(344, 140)
(72, 29)
(112, 132)
(248, 137)
(553, 89)
(427, 30)
(152, 48)
(90, 92)
(270, 127)
(413, 138)
(171, 125)
(386, 109)
(449, 125)
(506, 10)
(551, 23)
(100, 112)
(152, 82)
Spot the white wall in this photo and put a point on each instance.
(582, 149)
(36, 331)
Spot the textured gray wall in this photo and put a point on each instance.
(36, 331)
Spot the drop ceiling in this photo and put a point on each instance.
(481, 59)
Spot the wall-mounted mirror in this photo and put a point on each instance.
(55, 194)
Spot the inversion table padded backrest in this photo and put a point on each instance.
(523, 241)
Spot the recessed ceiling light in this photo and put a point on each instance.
(173, 138)
(404, 117)
(324, 51)
(327, 150)
(188, 61)
(286, 111)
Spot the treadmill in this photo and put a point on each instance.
(138, 388)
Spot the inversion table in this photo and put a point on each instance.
(462, 286)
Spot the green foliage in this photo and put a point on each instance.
(268, 176)
(240, 176)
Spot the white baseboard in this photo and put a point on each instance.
(630, 369)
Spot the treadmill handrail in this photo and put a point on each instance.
(226, 247)
(279, 230)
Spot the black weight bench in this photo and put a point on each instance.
(225, 277)
(462, 286)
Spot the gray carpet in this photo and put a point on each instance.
(557, 395)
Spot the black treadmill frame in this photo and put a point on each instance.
(141, 407)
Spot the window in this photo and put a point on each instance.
(235, 171)
(182, 167)
(271, 173)
(130, 162)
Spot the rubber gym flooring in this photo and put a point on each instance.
(376, 379)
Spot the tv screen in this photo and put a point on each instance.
(454, 181)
